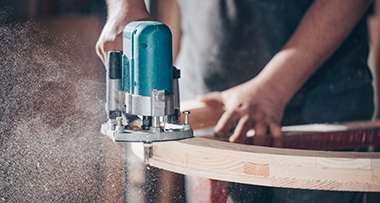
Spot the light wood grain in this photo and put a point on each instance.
(201, 115)
(321, 170)
(267, 166)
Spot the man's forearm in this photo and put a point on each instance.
(324, 27)
(116, 8)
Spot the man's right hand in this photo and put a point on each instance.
(120, 13)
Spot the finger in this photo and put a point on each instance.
(241, 130)
(103, 56)
(260, 133)
(277, 135)
(105, 50)
(225, 123)
(99, 51)
(212, 99)
(110, 46)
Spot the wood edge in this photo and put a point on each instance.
(271, 181)
(222, 145)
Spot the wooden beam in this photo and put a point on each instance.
(266, 166)
(276, 167)
(214, 161)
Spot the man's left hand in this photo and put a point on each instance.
(251, 105)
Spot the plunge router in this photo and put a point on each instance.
(142, 85)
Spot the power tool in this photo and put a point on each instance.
(142, 86)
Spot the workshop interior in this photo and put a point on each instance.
(66, 122)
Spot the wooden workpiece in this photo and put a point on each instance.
(201, 116)
(321, 170)
(276, 167)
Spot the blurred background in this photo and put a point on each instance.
(51, 107)
(52, 97)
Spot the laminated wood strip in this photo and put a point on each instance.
(305, 169)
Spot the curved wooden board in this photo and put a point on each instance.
(201, 115)
(266, 166)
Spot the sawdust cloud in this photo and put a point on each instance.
(51, 108)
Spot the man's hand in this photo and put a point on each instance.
(259, 103)
(252, 105)
(120, 13)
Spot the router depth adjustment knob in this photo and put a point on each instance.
(186, 113)
(119, 127)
